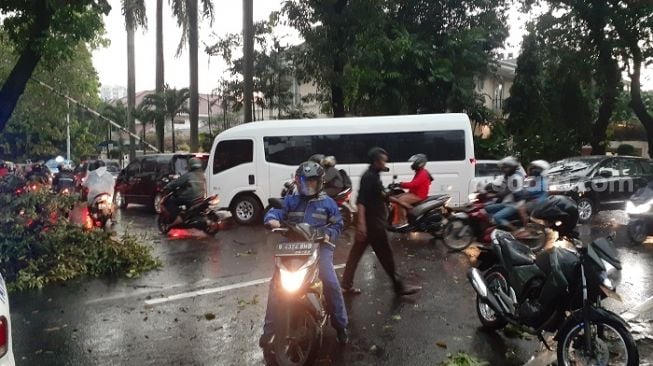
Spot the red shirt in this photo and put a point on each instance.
(420, 184)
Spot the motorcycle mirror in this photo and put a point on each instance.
(275, 203)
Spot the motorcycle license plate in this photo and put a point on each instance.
(295, 249)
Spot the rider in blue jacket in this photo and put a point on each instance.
(312, 206)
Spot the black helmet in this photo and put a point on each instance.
(194, 164)
(307, 172)
(316, 158)
(559, 212)
(418, 160)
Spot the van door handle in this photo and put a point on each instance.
(251, 179)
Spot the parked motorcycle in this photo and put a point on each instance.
(302, 313)
(343, 200)
(640, 213)
(427, 216)
(473, 223)
(559, 290)
(101, 210)
(203, 215)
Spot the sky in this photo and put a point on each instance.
(111, 62)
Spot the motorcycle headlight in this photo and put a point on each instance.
(631, 208)
(472, 197)
(611, 278)
(292, 281)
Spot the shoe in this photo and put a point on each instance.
(342, 336)
(407, 290)
(265, 340)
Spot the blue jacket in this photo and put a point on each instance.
(320, 212)
(536, 189)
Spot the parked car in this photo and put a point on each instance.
(53, 164)
(6, 349)
(599, 183)
(143, 179)
(486, 171)
(82, 170)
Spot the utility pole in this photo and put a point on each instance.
(68, 130)
(248, 55)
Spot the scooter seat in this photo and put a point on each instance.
(519, 254)
(427, 205)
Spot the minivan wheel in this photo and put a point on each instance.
(585, 210)
(246, 210)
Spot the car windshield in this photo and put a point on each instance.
(573, 165)
(113, 167)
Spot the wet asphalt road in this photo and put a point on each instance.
(107, 322)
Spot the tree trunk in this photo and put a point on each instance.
(248, 57)
(15, 84)
(131, 84)
(194, 93)
(337, 93)
(160, 76)
(636, 102)
(172, 124)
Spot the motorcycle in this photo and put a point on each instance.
(100, 211)
(203, 215)
(473, 223)
(558, 291)
(638, 208)
(427, 216)
(302, 313)
(343, 200)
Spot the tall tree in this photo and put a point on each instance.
(48, 30)
(160, 74)
(248, 58)
(173, 102)
(37, 127)
(135, 16)
(185, 12)
(633, 22)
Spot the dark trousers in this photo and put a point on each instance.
(377, 237)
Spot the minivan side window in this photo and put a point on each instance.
(231, 153)
(352, 149)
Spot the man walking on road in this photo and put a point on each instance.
(371, 227)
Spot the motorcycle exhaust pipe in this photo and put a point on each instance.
(478, 283)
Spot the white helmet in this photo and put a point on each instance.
(509, 161)
(541, 164)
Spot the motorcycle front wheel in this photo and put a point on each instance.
(458, 235)
(637, 231)
(612, 344)
(299, 343)
(495, 278)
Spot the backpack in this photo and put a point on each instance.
(346, 181)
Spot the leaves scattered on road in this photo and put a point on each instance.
(209, 316)
(242, 303)
(463, 359)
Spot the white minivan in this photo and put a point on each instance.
(249, 163)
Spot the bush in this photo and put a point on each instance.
(626, 149)
(38, 245)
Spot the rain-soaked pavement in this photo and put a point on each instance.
(156, 320)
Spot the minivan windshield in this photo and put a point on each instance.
(574, 165)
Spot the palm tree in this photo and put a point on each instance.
(117, 113)
(134, 12)
(186, 12)
(147, 113)
(173, 102)
(160, 120)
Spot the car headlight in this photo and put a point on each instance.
(292, 281)
(562, 187)
(631, 208)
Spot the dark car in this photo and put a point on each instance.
(143, 179)
(599, 182)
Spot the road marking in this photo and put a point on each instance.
(214, 290)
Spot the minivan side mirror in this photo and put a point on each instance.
(605, 173)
